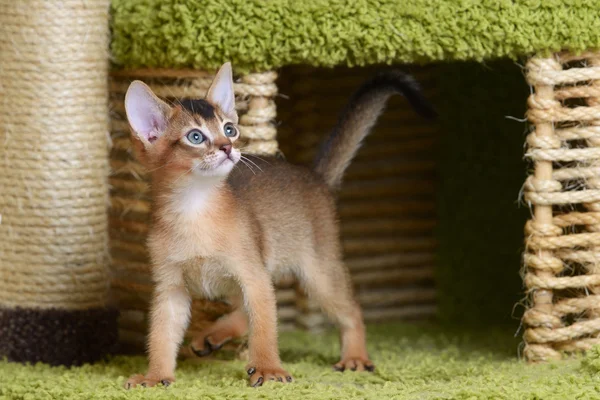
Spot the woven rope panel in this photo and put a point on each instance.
(562, 258)
(387, 201)
(130, 201)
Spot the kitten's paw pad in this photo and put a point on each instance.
(142, 381)
(259, 375)
(354, 364)
(207, 349)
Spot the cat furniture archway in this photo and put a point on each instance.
(394, 268)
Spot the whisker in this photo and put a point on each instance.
(174, 98)
(247, 165)
(162, 166)
(250, 161)
(185, 173)
(260, 158)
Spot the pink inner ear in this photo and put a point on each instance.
(146, 113)
(156, 127)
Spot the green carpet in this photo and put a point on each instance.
(413, 362)
(260, 35)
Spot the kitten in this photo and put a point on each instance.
(224, 231)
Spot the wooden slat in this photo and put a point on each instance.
(405, 312)
(395, 296)
(393, 226)
(380, 245)
(397, 277)
(391, 260)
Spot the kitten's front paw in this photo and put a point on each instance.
(141, 380)
(259, 375)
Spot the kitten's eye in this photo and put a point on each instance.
(195, 136)
(230, 130)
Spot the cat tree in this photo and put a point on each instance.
(53, 147)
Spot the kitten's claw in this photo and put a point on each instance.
(259, 382)
(258, 375)
(141, 380)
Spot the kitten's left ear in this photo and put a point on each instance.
(146, 113)
(221, 92)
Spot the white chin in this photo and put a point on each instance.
(221, 170)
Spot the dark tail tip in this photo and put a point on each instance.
(404, 84)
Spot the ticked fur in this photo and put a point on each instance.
(224, 229)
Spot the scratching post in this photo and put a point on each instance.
(130, 197)
(53, 187)
(563, 236)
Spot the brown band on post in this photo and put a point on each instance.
(57, 337)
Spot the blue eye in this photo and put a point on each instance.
(195, 136)
(230, 130)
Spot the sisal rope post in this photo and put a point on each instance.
(563, 239)
(54, 278)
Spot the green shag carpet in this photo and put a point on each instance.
(261, 35)
(413, 362)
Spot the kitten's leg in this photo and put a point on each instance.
(332, 289)
(170, 314)
(259, 300)
(230, 326)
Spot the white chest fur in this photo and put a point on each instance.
(191, 236)
(191, 218)
(193, 198)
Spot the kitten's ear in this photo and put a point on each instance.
(146, 113)
(221, 92)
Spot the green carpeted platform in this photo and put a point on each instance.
(259, 35)
(413, 362)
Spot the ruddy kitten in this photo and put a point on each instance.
(224, 231)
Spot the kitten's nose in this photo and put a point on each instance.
(226, 148)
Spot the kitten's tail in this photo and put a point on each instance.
(359, 117)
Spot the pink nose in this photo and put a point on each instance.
(226, 148)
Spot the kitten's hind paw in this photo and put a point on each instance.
(207, 349)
